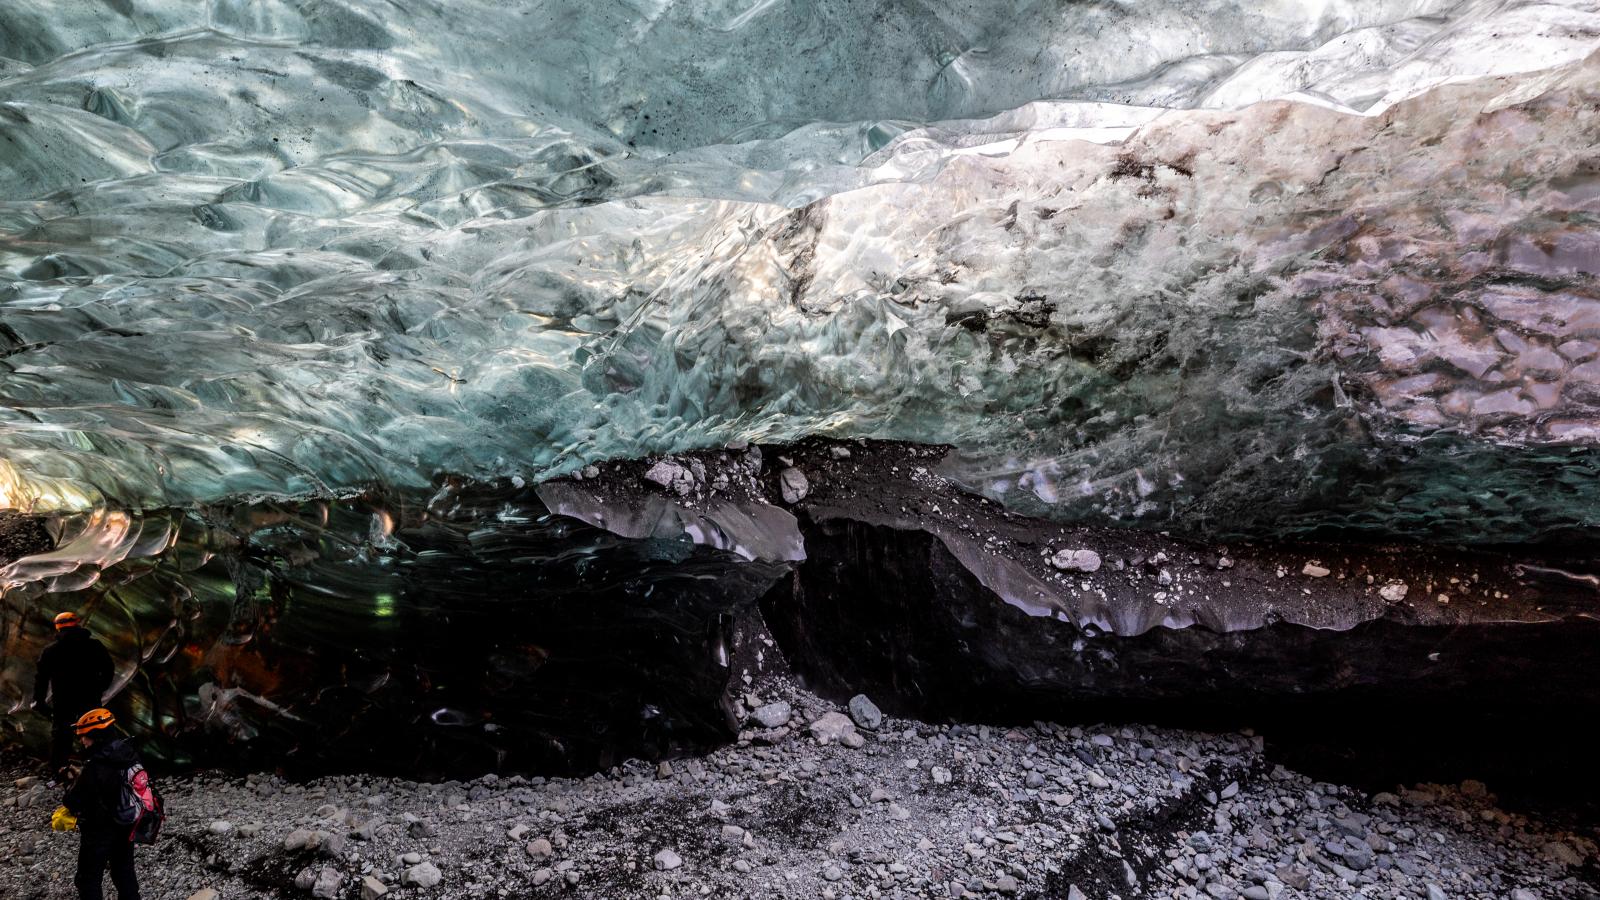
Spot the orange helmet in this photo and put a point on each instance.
(93, 720)
(67, 620)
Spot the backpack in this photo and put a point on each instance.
(139, 807)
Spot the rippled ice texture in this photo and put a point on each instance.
(293, 248)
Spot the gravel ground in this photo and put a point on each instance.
(818, 801)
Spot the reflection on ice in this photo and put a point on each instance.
(298, 635)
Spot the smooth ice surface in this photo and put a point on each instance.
(296, 248)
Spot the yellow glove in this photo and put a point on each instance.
(63, 820)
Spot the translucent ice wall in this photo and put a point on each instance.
(1231, 266)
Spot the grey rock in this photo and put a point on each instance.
(667, 860)
(541, 876)
(539, 848)
(832, 727)
(1076, 559)
(1562, 852)
(793, 485)
(1394, 591)
(424, 875)
(670, 474)
(774, 736)
(1351, 826)
(865, 713)
(205, 894)
(1408, 867)
(1295, 876)
(1437, 893)
(1358, 857)
(773, 714)
(372, 888)
(327, 884)
(220, 827)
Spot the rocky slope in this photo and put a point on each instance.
(816, 800)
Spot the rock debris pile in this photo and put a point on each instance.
(819, 801)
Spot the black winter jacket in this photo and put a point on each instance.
(97, 793)
(77, 669)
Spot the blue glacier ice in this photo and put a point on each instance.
(1240, 267)
(305, 305)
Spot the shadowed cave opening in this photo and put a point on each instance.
(484, 629)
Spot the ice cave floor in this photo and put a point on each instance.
(818, 806)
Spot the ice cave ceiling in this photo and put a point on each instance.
(1231, 266)
(316, 316)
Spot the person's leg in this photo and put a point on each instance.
(60, 743)
(93, 854)
(123, 878)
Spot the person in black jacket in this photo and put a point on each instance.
(75, 671)
(94, 799)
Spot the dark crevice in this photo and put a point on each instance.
(1140, 840)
